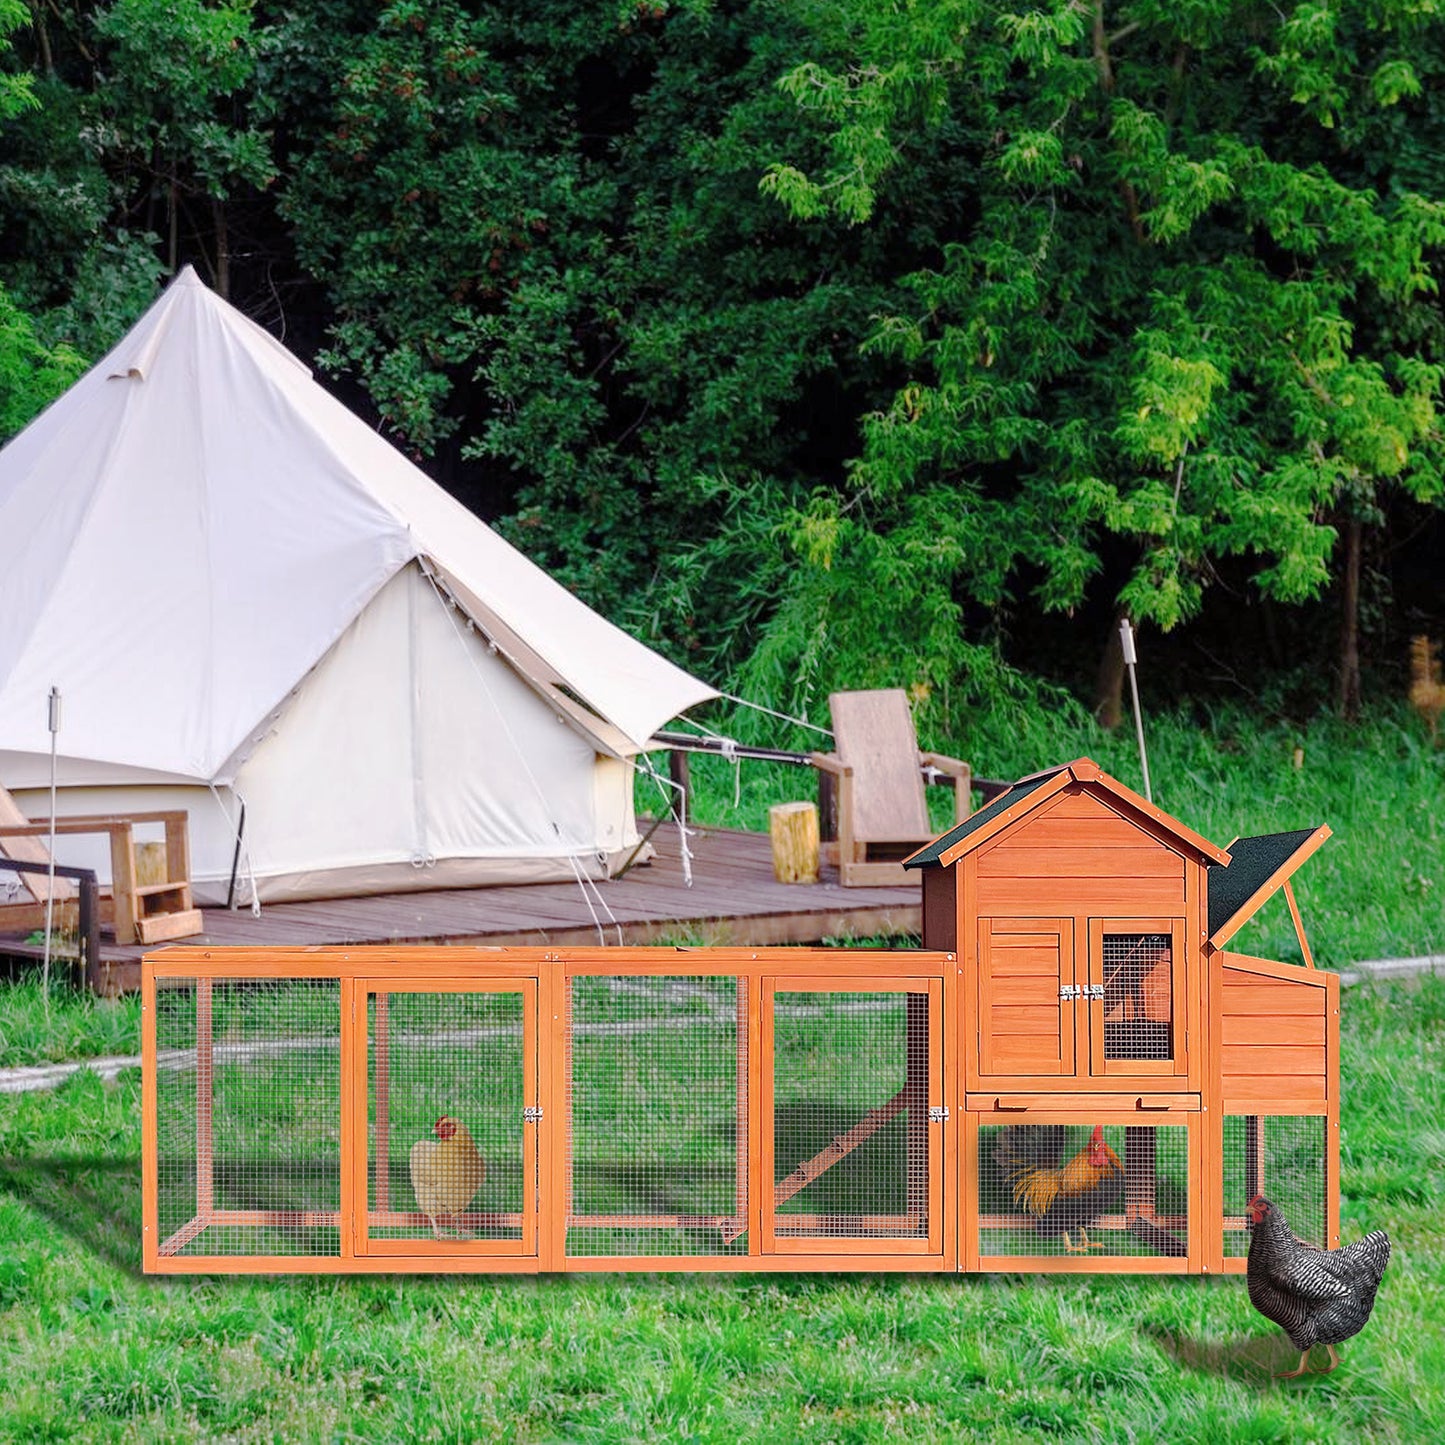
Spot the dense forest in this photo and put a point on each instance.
(817, 342)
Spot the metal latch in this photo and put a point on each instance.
(1068, 991)
(1093, 990)
(532, 1114)
(937, 1113)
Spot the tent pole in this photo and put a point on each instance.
(236, 857)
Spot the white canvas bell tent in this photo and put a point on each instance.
(244, 593)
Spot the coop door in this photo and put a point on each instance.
(1027, 1019)
(450, 1077)
(852, 1123)
(1136, 996)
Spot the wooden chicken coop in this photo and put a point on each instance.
(1073, 1074)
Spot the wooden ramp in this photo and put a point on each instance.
(734, 899)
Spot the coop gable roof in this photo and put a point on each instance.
(1031, 793)
(1257, 868)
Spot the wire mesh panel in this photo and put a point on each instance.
(1091, 1191)
(447, 1133)
(1138, 983)
(248, 1127)
(850, 1115)
(657, 1073)
(1283, 1158)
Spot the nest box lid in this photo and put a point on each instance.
(1032, 792)
(1254, 870)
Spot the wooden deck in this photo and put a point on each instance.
(733, 899)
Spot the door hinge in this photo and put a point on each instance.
(1093, 990)
(938, 1113)
(1068, 991)
(532, 1114)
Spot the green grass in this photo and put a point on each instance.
(91, 1350)
(1376, 889)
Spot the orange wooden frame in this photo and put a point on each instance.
(945, 1111)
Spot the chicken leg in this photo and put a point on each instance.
(1085, 1246)
(1304, 1367)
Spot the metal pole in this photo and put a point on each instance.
(1131, 661)
(53, 720)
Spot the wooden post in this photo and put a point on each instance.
(917, 1163)
(123, 880)
(679, 769)
(205, 1103)
(381, 1150)
(794, 831)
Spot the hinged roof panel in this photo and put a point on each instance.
(1256, 869)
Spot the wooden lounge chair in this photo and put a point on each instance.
(141, 912)
(879, 773)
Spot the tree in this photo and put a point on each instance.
(1178, 309)
(31, 373)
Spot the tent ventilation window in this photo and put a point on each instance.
(1138, 996)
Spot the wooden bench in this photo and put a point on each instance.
(142, 912)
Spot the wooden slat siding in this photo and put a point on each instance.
(1007, 1020)
(1020, 858)
(1082, 896)
(1273, 1029)
(1270, 998)
(1028, 992)
(1061, 830)
(1273, 1094)
(1021, 954)
(1299, 1061)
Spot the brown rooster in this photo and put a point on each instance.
(1427, 692)
(1061, 1197)
(1316, 1296)
(446, 1171)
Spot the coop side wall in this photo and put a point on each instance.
(1275, 1066)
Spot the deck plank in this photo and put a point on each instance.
(734, 899)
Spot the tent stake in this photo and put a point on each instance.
(1131, 661)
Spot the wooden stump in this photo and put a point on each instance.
(793, 828)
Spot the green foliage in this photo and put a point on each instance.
(32, 375)
(1174, 311)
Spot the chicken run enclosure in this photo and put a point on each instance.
(1073, 1074)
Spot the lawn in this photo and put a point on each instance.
(93, 1350)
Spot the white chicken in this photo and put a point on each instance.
(446, 1172)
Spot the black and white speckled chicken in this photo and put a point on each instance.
(1316, 1296)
